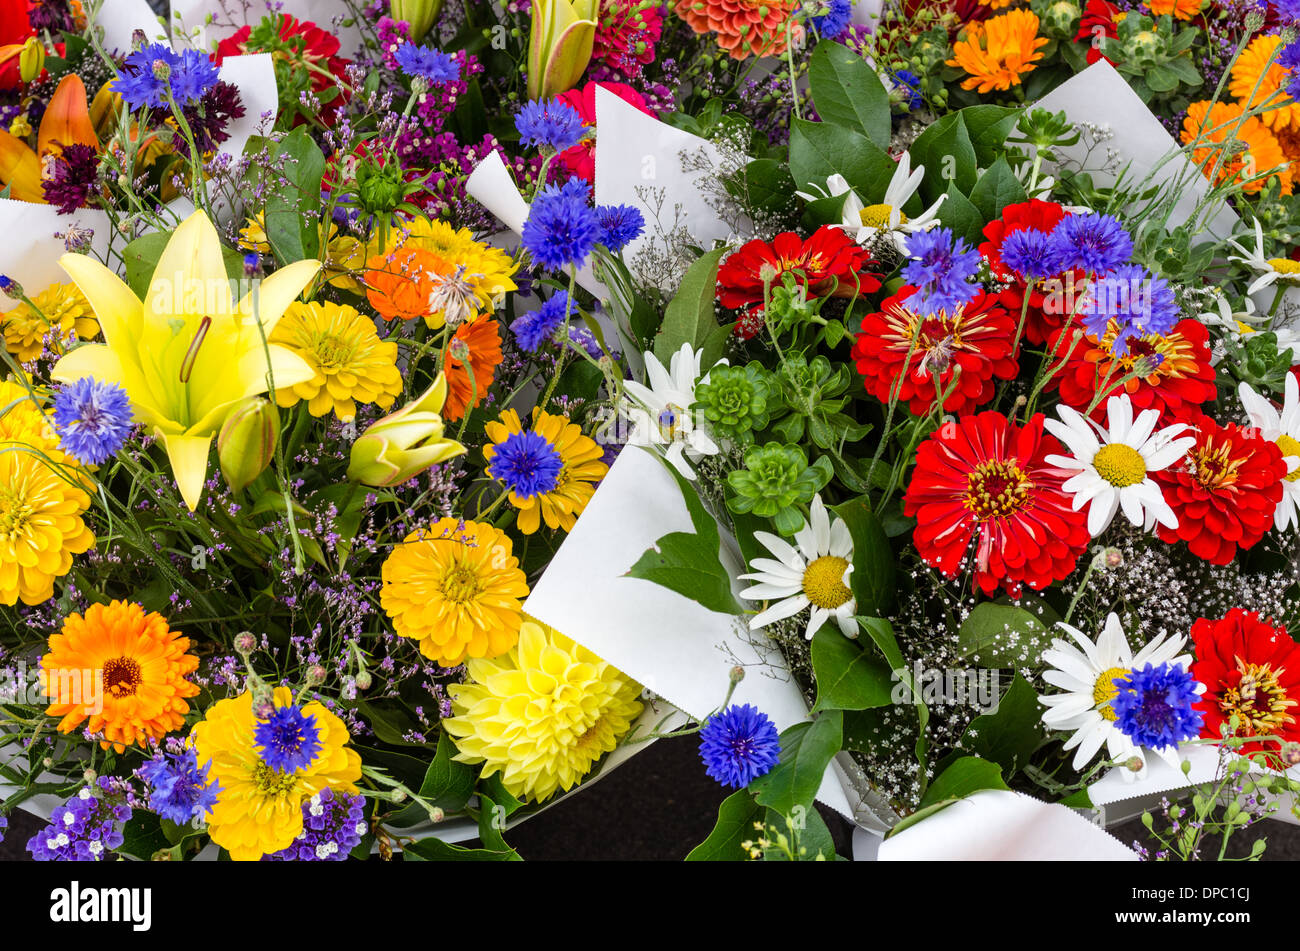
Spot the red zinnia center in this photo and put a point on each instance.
(1258, 700)
(1214, 467)
(997, 488)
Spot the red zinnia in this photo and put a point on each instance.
(581, 159)
(977, 338)
(1040, 322)
(1250, 668)
(985, 476)
(298, 41)
(1181, 376)
(1100, 19)
(1224, 492)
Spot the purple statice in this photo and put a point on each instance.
(1092, 243)
(333, 824)
(152, 73)
(538, 327)
(1132, 302)
(619, 224)
(93, 419)
(392, 35)
(835, 18)
(527, 464)
(738, 745)
(940, 268)
(4, 824)
(210, 116)
(1156, 706)
(288, 739)
(419, 62)
(69, 177)
(179, 790)
(83, 828)
(562, 228)
(1031, 254)
(554, 124)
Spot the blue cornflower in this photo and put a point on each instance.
(1289, 59)
(619, 224)
(1135, 301)
(1155, 706)
(908, 85)
(93, 419)
(940, 269)
(193, 76)
(835, 20)
(527, 463)
(288, 739)
(561, 228)
(148, 74)
(1093, 243)
(1031, 254)
(585, 339)
(429, 64)
(537, 327)
(1287, 10)
(738, 745)
(554, 124)
(178, 789)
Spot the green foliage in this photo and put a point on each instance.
(776, 482)
(736, 400)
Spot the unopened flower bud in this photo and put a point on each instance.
(245, 642)
(1134, 764)
(737, 674)
(263, 709)
(247, 441)
(459, 350)
(1291, 753)
(1113, 557)
(437, 815)
(31, 60)
(316, 674)
(364, 681)
(161, 69)
(10, 288)
(252, 264)
(399, 795)
(90, 775)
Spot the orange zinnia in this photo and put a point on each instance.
(398, 285)
(1220, 132)
(483, 340)
(998, 52)
(743, 27)
(1256, 78)
(121, 669)
(1181, 9)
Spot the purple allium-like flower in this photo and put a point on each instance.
(554, 124)
(93, 419)
(738, 745)
(619, 224)
(1031, 254)
(69, 176)
(561, 228)
(178, 789)
(288, 739)
(333, 824)
(432, 65)
(1093, 243)
(84, 827)
(835, 20)
(538, 327)
(210, 116)
(1135, 301)
(940, 268)
(527, 463)
(1155, 706)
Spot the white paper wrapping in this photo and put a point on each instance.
(121, 18)
(33, 260)
(194, 13)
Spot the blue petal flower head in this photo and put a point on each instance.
(1031, 254)
(908, 84)
(1131, 301)
(538, 327)
(432, 65)
(738, 745)
(1155, 706)
(619, 224)
(288, 739)
(836, 19)
(151, 72)
(93, 419)
(527, 463)
(332, 826)
(561, 228)
(940, 269)
(554, 124)
(179, 790)
(1092, 242)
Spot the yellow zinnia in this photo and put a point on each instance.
(62, 314)
(542, 715)
(259, 808)
(551, 471)
(352, 364)
(457, 588)
(1000, 51)
(1256, 78)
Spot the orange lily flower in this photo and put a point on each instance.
(66, 122)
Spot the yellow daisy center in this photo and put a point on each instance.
(997, 488)
(333, 352)
(1284, 266)
(1289, 447)
(877, 216)
(823, 582)
(460, 584)
(122, 676)
(15, 510)
(272, 782)
(1120, 465)
(1258, 699)
(1105, 690)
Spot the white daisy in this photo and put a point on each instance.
(1114, 463)
(1282, 428)
(816, 574)
(661, 413)
(1271, 270)
(864, 222)
(1087, 674)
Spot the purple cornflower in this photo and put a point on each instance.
(619, 224)
(1031, 254)
(431, 65)
(1093, 243)
(1133, 302)
(151, 72)
(554, 124)
(561, 228)
(84, 827)
(537, 327)
(178, 789)
(93, 419)
(1155, 706)
(527, 463)
(940, 269)
(333, 824)
(288, 739)
(738, 745)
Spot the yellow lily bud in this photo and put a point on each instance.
(31, 61)
(405, 443)
(246, 443)
(559, 45)
(420, 14)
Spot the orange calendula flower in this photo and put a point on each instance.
(1179, 9)
(743, 27)
(999, 52)
(122, 670)
(1220, 132)
(1257, 79)
(480, 345)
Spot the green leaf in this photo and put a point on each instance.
(436, 850)
(961, 216)
(1079, 799)
(872, 578)
(806, 750)
(964, 776)
(768, 186)
(1000, 635)
(736, 817)
(142, 836)
(881, 633)
(946, 151)
(1009, 736)
(988, 127)
(448, 784)
(847, 92)
(819, 150)
(997, 188)
(848, 678)
(688, 563)
(293, 208)
(1161, 79)
(689, 317)
(141, 258)
(814, 838)
(491, 824)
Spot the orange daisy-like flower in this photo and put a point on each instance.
(399, 285)
(482, 345)
(1220, 132)
(1000, 51)
(1180, 9)
(743, 27)
(123, 671)
(1256, 79)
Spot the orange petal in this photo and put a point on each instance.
(67, 118)
(20, 169)
(9, 52)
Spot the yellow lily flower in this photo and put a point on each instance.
(560, 42)
(188, 353)
(66, 122)
(403, 444)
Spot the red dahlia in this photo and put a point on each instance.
(1040, 321)
(986, 478)
(1179, 380)
(1250, 668)
(1100, 19)
(1224, 492)
(977, 338)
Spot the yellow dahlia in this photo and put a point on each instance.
(23, 421)
(252, 237)
(1180, 9)
(345, 258)
(122, 670)
(551, 470)
(259, 807)
(62, 311)
(472, 278)
(543, 714)
(1243, 150)
(352, 364)
(1256, 79)
(998, 52)
(457, 588)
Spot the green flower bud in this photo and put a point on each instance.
(776, 480)
(247, 441)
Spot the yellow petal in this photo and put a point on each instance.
(20, 169)
(189, 458)
(104, 364)
(247, 377)
(272, 297)
(190, 280)
(116, 306)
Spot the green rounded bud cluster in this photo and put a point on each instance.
(775, 483)
(1061, 19)
(736, 400)
(379, 188)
